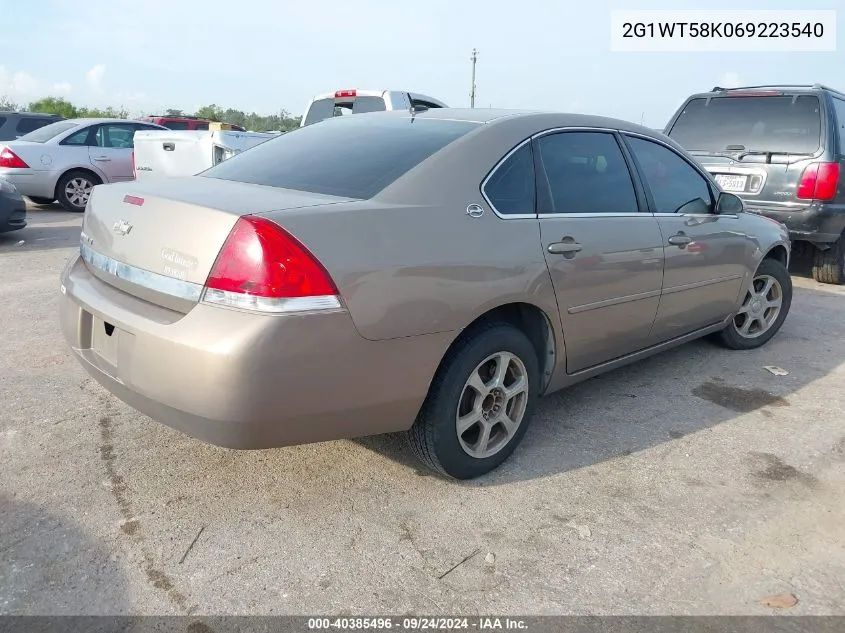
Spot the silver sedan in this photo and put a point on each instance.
(64, 160)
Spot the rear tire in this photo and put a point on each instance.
(41, 201)
(74, 189)
(764, 308)
(829, 265)
(488, 386)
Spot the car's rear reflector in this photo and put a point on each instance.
(819, 181)
(133, 200)
(262, 267)
(345, 93)
(9, 159)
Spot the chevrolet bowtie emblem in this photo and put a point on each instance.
(121, 227)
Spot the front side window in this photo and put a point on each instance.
(675, 185)
(586, 173)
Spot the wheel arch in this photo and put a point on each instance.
(76, 168)
(779, 252)
(531, 320)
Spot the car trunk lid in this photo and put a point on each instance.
(158, 241)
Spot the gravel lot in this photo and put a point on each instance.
(693, 483)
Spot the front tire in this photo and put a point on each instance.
(763, 310)
(74, 189)
(829, 265)
(480, 403)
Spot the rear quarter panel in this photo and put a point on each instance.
(412, 262)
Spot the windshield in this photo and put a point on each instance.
(785, 124)
(353, 157)
(323, 109)
(44, 134)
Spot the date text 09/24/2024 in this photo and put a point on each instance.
(417, 624)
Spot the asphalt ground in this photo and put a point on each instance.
(695, 482)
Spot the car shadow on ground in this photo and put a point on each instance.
(666, 397)
(39, 238)
(50, 567)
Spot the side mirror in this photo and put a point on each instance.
(729, 203)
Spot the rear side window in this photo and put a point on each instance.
(355, 157)
(2, 121)
(201, 125)
(587, 173)
(29, 124)
(511, 189)
(789, 124)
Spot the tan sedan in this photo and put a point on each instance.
(430, 272)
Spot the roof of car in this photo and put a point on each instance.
(764, 89)
(89, 121)
(26, 114)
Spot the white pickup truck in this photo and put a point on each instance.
(169, 153)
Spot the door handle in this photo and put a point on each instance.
(680, 240)
(563, 248)
(102, 159)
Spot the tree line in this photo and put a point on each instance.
(282, 121)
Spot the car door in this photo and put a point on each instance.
(111, 151)
(603, 248)
(705, 253)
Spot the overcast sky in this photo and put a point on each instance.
(266, 55)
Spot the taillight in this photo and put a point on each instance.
(9, 159)
(133, 163)
(262, 267)
(819, 181)
(345, 93)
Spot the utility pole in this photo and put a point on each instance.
(474, 59)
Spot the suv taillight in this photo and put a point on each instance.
(264, 268)
(133, 163)
(9, 159)
(819, 181)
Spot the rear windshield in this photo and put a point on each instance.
(789, 124)
(176, 125)
(323, 109)
(44, 134)
(354, 157)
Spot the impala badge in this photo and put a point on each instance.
(121, 227)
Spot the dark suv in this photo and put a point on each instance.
(782, 149)
(15, 124)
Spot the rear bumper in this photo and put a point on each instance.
(12, 212)
(242, 380)
(32, 182)
(820, 223)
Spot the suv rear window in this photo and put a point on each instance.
(355, 157)
(327, 108)
(44, 134)
(29, 124)
(788, 124)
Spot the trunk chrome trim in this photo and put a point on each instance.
(144, 278)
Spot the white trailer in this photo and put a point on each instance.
(170, 153)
